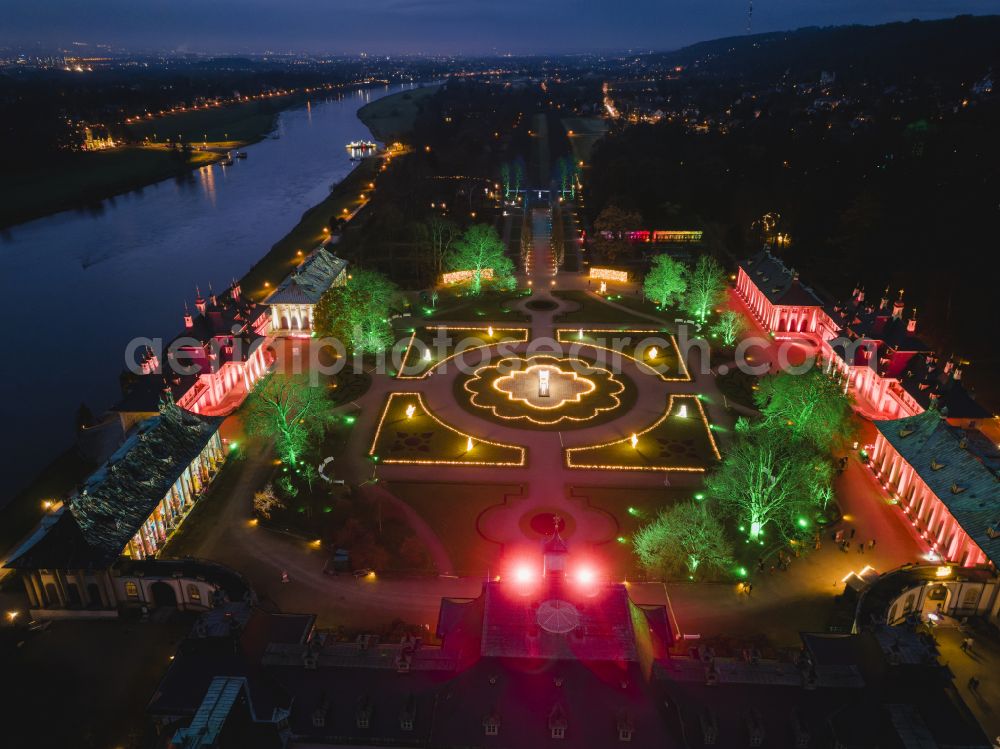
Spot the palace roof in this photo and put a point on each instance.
(779, 283)
(119, 496)
(308, 282)
(960, 466)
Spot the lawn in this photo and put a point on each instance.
(643, 305)
(244, 123)
(583, 133)
(392, 117)
(652, 349)
(433, 345)
(632, 508)
(454, 304)
(592, 310)
(417, 437)
(452, 511)
(680, 440)
(612, 395)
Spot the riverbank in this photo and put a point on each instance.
(343, 201)
(81, 180)
(65, 472)
(391, 117)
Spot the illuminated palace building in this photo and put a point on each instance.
(945, 478)
(928, 454)
(125, 511)
(548, 654)
(874, 347)
(209, 367)
(293, 302)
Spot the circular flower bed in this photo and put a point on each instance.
(545, 391)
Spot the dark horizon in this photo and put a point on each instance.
(434, 27)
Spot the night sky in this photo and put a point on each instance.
(433, 26)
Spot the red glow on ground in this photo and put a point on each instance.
(523, 574)
(586, 575)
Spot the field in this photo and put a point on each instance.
(417, 437)
(593, 310)
(645, 345)
(681, 440)
(243, 123)
(416, 365)
(453, 305)
(393, 116)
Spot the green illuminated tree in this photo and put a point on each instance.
(684, 540)
(505, 179)
(517, 174)
(729, 326)
(808, 407)
(479, 249)
(706, 287)
(290, 411)
(665, 281)
(768, 480)
(357, 314)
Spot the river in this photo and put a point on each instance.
(80, 284)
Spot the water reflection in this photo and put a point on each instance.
(98, 277)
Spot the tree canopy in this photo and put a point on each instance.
(290, 411)
(729, 326)
(706, 286)
(685, 539)
(809, 406)
(479, 249)
(357, 314)
(666, 280)
(767, 479)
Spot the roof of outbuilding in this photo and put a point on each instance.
(955, 469)
(307, 283)
(779, 283)
(120, 495)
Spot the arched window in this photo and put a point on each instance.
(131, 589)
(194, 593)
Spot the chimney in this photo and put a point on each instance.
(911, 324)
(235, 293)
(897, 307)
(885, 299)
(199, 301)
(188, 320)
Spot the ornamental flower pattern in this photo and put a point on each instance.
(578, 391)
